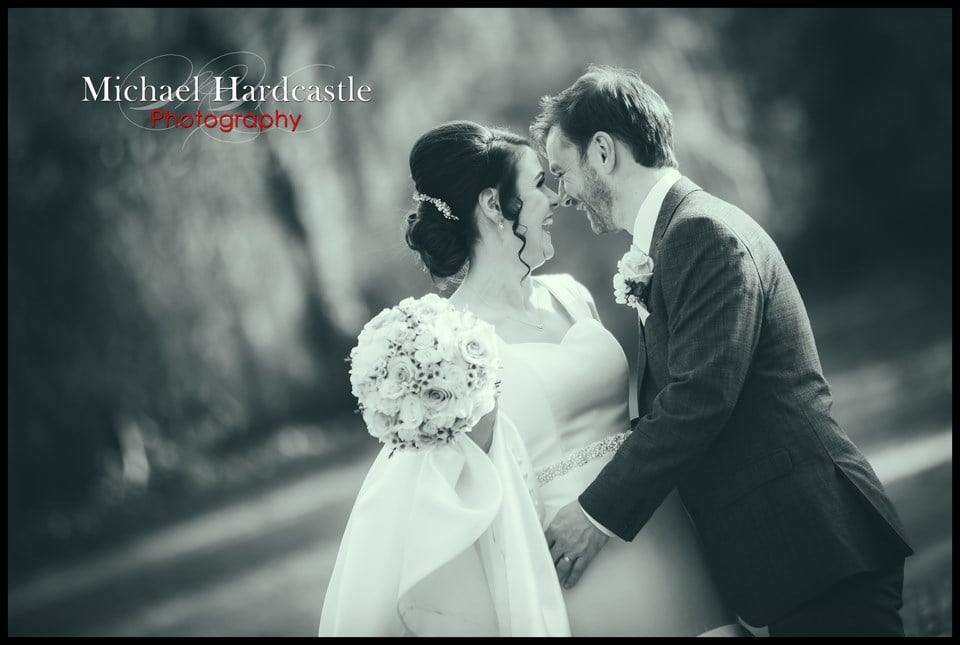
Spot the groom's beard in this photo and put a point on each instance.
(597, 199)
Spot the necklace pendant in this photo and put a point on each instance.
(540, 327)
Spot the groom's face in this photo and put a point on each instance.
(580, 184)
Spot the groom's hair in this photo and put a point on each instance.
(615, 101)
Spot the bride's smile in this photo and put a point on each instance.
(536, 213)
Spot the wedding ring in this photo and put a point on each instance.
(565, 557)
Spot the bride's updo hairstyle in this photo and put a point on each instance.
(450, 165)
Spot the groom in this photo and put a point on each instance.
(735, 409)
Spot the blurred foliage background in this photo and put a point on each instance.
(179, 311)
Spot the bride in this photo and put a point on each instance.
(451, 542)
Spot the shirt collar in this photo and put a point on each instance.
(650, 210)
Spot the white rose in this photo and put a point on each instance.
(401, 370)
(408, 433)
(440, 404)
(427, 355)
(384, 335)
(398, 332)
(386, 392)
(436, 397)
(453, 377)
(635, 265)
(411, 412)
(425, 338)
(359, 387)
(369, 358)
(484, 381)
(463, 408)
(385, 317)
(476, 345)
(468, 319)
(378, 425)
(391, 389)
(407, 304)
(445, 419)
(371, 399)
(445, 330)
(432, 299)
(430, 305)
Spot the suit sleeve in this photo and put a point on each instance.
(713, 302)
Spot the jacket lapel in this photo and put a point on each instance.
(671, 202)
(675, 195)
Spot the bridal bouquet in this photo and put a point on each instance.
(424, 372)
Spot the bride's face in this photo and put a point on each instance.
(539, 202)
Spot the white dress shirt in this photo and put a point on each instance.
(642, 239)
(650, 209)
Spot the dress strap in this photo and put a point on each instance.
(567, 292)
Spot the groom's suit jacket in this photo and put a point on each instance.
(735, 413)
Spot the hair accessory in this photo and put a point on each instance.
(439, 203)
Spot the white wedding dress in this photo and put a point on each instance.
(449, 541)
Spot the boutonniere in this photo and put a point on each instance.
(631, 284)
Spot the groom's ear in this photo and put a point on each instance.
(602, 152)
(489, 201)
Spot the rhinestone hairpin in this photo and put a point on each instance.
(439, 203)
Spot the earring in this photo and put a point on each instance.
(500, 224)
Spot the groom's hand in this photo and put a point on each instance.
(574, 541)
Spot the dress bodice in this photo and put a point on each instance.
(567, 397)
(563, 408)
(570, 404)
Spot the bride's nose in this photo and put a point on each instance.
(563, 198)
(554, 198)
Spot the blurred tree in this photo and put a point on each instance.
(201, 293)
(149, 280)
(205, 290)
(861, 101)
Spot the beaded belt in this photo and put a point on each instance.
(580, 457)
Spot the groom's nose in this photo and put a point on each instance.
(554, 199)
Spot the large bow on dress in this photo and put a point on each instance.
(446, 541)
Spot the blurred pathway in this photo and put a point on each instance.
(201, 576)
(260, 567)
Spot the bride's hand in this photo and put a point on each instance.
(574, 541)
